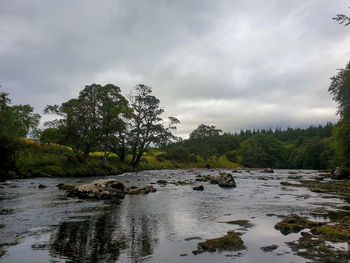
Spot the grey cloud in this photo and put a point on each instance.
(235, 64)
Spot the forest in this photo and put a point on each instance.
(102, 132)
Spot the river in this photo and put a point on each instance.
(41, 225)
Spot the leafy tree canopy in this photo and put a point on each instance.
(203, 131)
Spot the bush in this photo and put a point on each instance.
(9, 150)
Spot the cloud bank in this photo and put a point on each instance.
(233, 64)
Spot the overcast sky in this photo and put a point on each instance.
(235, 64)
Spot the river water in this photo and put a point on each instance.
(41, 225)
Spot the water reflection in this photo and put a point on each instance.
(106, 237)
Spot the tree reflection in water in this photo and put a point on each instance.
(106, 237)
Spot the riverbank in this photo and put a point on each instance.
(35, 159)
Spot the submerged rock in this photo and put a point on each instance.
(67, 187)
(163, 182)
(199, 188)
(243, 223)
(144, 190)
(41, 186)
(100, 189)
(269, 248)
(184, 182)
(226, 180)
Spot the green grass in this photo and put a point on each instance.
(52, 160)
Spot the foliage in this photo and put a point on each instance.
(342, 19)
(16, 120)
(342, 134)
(340, 90)
(263, 151)
(9, 149)
(203, 131)
(147, 126)
(95, 120)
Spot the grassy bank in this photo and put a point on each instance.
(35, 159)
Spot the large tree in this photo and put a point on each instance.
(93, 121)
(16, 120)
(147, 125)
(340, 90)
(114, 115)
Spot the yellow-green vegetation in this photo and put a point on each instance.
(316, 249)
(294, 224)
(230, 242)
(336, 187)
(313, 245)
(339, 232)
(37, 159)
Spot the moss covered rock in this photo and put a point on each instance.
(230, 242)
(294, 224)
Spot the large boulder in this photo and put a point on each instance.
(100, 189)
(340, 173)
(226, 180)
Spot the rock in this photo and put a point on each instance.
(200, 179)
(149, 189)
(192, 238)
(41, 186)
(67, 187)
(340, 173)
(199, 188)
(162, 182)
(212, 179)
(6, 211)
(230, 242)
(144, 190)
(268, 170)
(294, 224)
(130, 188)
(286, 183)
(226, 180)
(78, 201)
(269, 248)
(100, 189)
(185, 182)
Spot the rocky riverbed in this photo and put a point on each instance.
(173, 223)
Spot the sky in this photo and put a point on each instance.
(235, 64)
